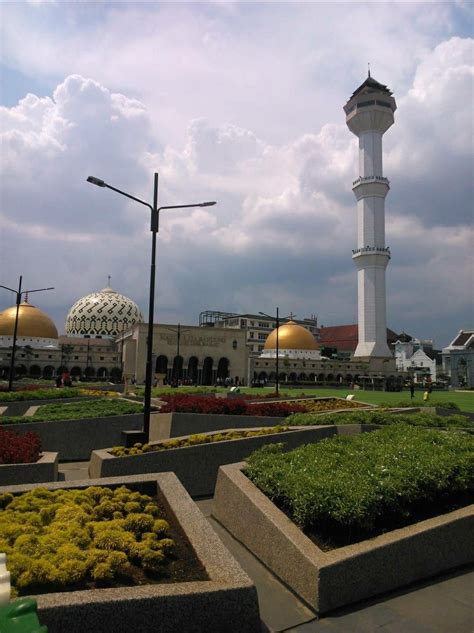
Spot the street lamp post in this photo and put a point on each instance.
(18, 293)
(277, 320)
(178, 331)
(154, 227)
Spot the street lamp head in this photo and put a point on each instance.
(96, 181)
(207, 204)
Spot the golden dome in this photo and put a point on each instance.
(291, 336)
(32, 322)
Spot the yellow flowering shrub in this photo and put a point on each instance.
(57, 539)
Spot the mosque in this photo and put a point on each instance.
(105, 337)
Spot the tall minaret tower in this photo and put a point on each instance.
(369, 113)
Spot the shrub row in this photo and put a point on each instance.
(33, 393)
(193, 440)
(99, 408)
(382, 417)
(191, 404)
(408, 403)
(66, 538)
(19, 449)
(351, 486)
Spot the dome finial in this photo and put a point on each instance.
(26, 296)
(368, 69)
(108, 280)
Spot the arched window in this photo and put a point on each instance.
(35, 371)
(320, 377)
(102, 372)
(76, 371)
(223, 368)
(207, 371)
(193, 369)
(177, 368)
(48, 371)
(161, 366)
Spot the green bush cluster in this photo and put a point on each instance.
(379, 416)
(62, 538)
(353, 485)
(40, 394)
(193, 440)
(408, 403)
(102, 407)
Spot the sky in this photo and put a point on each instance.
(238, 102)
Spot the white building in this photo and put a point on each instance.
(458, 359)
(416, 357)
(369, 113)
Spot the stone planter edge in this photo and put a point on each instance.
(227, 601)
(327, 580)
(44, 470)
(197, 466)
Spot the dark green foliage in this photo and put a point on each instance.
(62, 538)
(41, 394)
(379, 416)
(354, 485)
(102, 407)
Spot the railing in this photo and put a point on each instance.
(362, 179)
(371, 249)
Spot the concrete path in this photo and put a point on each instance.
(30, 411)
(441, 605)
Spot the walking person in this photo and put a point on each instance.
(412, 390)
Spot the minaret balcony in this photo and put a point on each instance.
(370, 186)
(371, 256)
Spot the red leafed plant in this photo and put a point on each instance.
(16, 448)
(211, 405)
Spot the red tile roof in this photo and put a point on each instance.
(346, 337)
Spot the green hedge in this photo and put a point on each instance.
(41, 394)
(99, 408)
(381, 417)
(350, 487)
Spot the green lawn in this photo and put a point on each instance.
(464, 400)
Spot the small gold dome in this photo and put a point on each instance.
(291, 336)
(32, 322)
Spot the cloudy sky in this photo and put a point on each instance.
(239, 102)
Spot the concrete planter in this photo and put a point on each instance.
(166, 425)
(76, 439)
(45, 469)
(226, 602)
(327, 580)
(197, 466)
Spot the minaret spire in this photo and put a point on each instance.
(368, 116)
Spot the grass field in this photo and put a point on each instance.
(464, 399)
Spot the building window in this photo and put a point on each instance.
(49, 356)
(101, 358)
(76, 357)
(260, 348)
(262, 337)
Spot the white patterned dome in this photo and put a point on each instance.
(102, 314)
